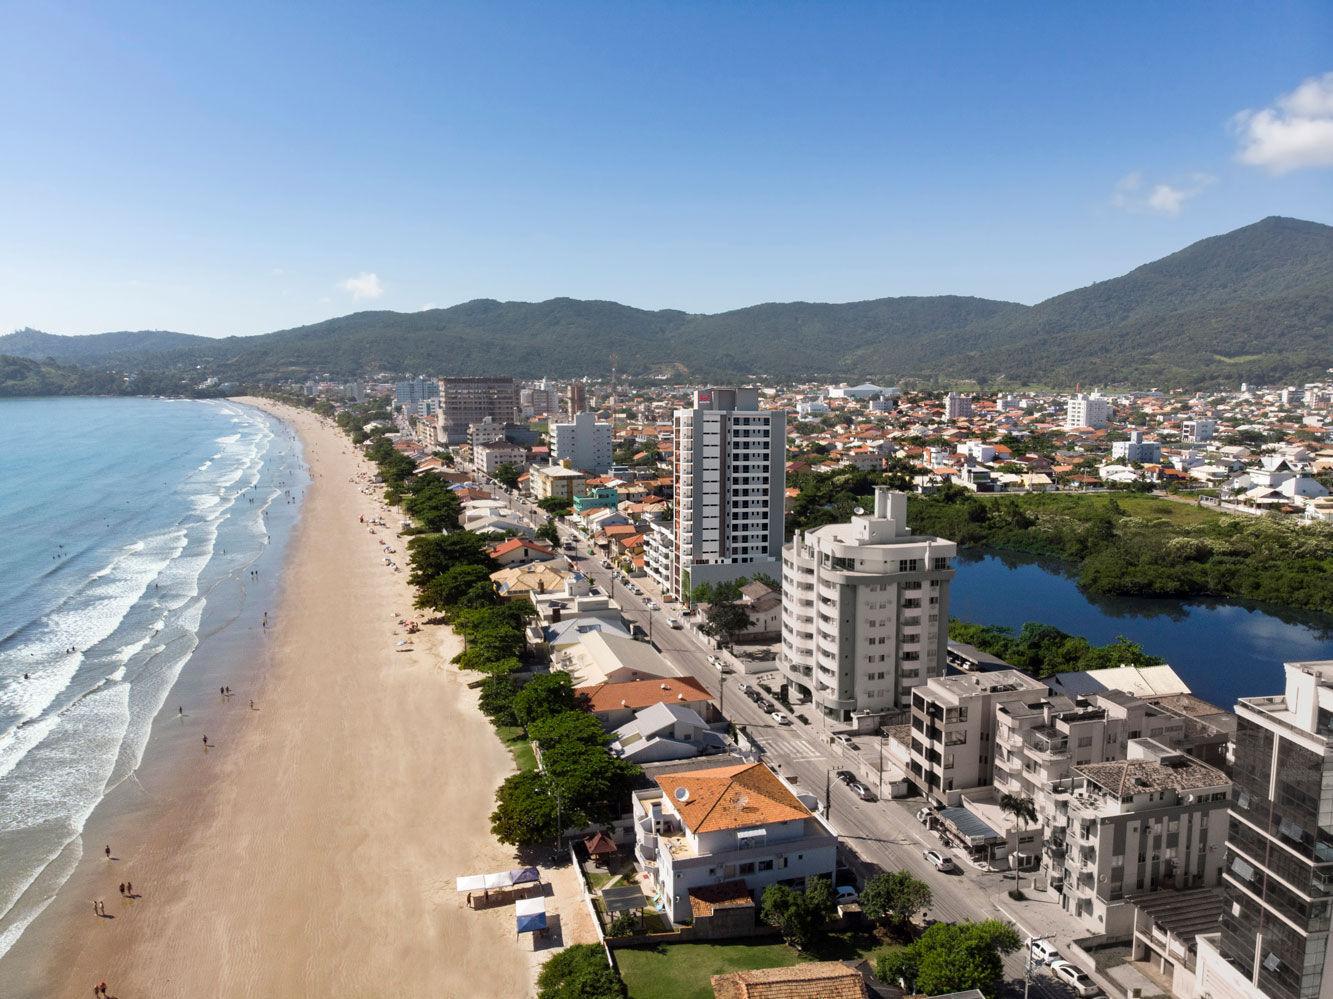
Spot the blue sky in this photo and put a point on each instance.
(238, 168)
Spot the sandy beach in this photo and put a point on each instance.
(312, 849)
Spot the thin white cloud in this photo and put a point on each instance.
(364, 285)
(1132, 194)
(427, 307)
(1294, 133)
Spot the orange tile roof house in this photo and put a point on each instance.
(615, 703)
(726, 823)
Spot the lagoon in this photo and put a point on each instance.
(1222, 650)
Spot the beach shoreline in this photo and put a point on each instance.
(312, 848)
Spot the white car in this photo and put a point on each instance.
(1044, 952)
(938, 860)
(780, 718)
(745, 687)
(675, 623)
(1075, 978)
(846, 894)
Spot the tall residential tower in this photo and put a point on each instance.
(865, 610)
(729, 472)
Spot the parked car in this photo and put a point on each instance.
(1075, 978)
(861, 791)
(846, 894)
(940, 861)
(846, 776)
(745, 688)
(1044, 952)
(846, 740)
(780, 718)
(923, 814)
(675, 623)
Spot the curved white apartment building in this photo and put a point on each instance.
(865, 611)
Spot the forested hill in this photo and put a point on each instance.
(1255, 305)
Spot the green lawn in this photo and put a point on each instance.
(518, 745)
(683, 971)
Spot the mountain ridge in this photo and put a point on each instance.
(1252, 304)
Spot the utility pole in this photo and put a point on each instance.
(828, 795)
(881, 764)
(1027, 964)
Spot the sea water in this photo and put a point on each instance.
(118, 519)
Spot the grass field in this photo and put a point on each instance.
(1184, 512)
(684, 971)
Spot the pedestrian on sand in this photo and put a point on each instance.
(122, 887)
(205, 742)
(129, 889)
(108, 853)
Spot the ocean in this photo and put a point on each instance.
(130, 530)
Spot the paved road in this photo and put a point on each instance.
(882, 833)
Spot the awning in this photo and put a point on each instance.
(969, 826)
(530, 914)
(624, 898)
(499, 879)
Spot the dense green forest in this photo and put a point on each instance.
(23, 377)
(1041, 650)
(1143, 546)
(1255, 304)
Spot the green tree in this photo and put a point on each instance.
(953, 957)
(569, 727)
(497, 699)
(579, 972)
(507, 475)
(894, 896)
(555, 505)
(451, 586)
(527, 811)
(433, 504)
(548, 532)
(1021, 809)
(725, 621)
(803, 917)
(432, 555)
(542, 697)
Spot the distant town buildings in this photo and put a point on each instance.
(465, 401)
(728, 477)
(865, 611)
(416, 394)
(957, 407)
(583, 442)
(1087, 411)
(1136, 450)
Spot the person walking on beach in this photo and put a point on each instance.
(129, 889)
(205, 742)
(108, 853)
(122, 887)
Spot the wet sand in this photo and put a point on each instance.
(312, 849)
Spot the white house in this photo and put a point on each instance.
(665, 732)
(731, 823)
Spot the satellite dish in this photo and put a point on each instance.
(859, 511)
